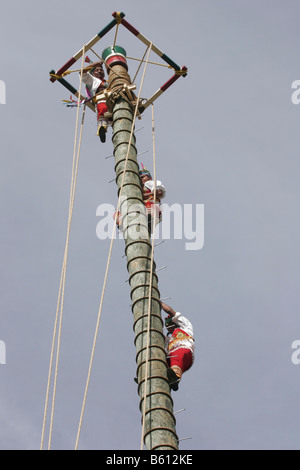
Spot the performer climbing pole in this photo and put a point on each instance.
(156, 404)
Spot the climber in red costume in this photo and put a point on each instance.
(93, 77)
(151, 203)
(151, 200)
(179, 345)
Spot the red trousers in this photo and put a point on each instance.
(101, 109)
(153, 210)
(181, 358)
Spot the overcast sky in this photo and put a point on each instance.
(227, 137)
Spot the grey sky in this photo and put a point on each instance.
(227, 136)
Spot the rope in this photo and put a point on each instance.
(117, 28)
(118, 76)
(67, 72)
(150, 286)
(154, 63)
(108, 262)
(140, 64)
(118, 18)
(180, 72)
(60, 300)
(58, 77)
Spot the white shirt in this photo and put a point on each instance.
(92, 82)
(150, 185)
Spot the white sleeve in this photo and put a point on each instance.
(160, 186)
(92, 83)
(183, 323)
(87, 79)
(150, 185)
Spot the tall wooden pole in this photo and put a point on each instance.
(156, 404)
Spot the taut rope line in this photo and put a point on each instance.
(140, 64)
(63, 274)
